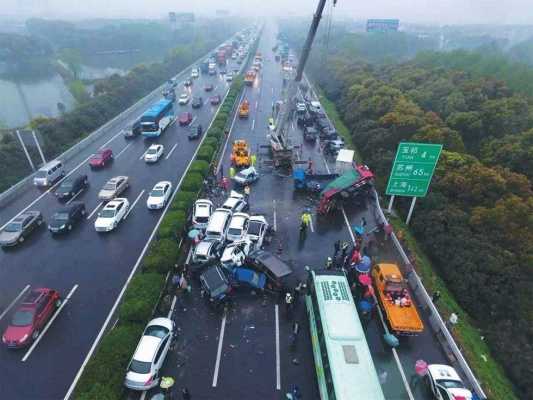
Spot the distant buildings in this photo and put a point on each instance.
(382, 25)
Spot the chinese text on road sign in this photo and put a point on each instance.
(413, 168)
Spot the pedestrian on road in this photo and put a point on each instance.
(231, 172)
(253, 159)
(336, 247)
(329, 263)
(247, 191)
(305, 221)
(344, 249)
(310, 166)
(176, 282)
(185, 394)
(288, 303)
(363, 222)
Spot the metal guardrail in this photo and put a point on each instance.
(437, 323)
(70, 153)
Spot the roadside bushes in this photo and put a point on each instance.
(183, 201)
(200, 166)
(192, 182)
(173, 223)
(162, 255)
(206, 153)
(137, 305)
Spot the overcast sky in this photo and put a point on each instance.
(432, 11)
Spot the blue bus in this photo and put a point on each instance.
(157, 118)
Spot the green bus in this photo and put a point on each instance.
(343, 362)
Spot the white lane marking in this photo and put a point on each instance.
(394, 352)
(96, 209)
(170, 152)
(229, 135)
(253, 124)
(215, 88)
(48, 191)
(275, 216)
(174, 299)
(123, 150)
(63, 304)
(311, 224)
(73, 197)
(143, 154)
(278, 364)
(143, 395)
(219, 350)
(14, 301)
(292, 124)
(134, 203)
(110, 140)
(192, 122)
(256, 104)
(133, 271)
(114, 324)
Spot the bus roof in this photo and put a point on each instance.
(156, 108)
(354, 374)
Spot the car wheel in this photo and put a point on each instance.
(58, 303)
(35, 334)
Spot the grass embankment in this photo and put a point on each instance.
(489, 372)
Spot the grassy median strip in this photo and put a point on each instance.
(488, 371)
(104, 375)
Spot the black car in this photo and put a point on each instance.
(195, 131)
(215, 283)
(310, 133)
(305, 120)
(132, 131)
(329, 133)
(322, 123)
(65, 219)
(71, 186)
(197, 102)
(277, 271)
(20, 227)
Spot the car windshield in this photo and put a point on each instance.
(219, 290)
(254, 228)
(156, 331)
(157, 193)
(109, 186)
(183, 96)
(22, 318)
(242, 175)
(107, 213)
(450, 384)
(61, 216)
(152, 151)
(140, 367)
(67, 185)
(13, 227)
(234, 231)
(40, 174)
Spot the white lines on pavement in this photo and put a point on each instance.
(278, 364)
(194, 119)
(275, 216)
(253, 124)
(134, 203)
(73, 197)
(110, 140)
(123, 150)
(14, 301)
(143, 154)
(311, 224)
(256, 105)
(172, 306)
(215, 88)
(48, 191)
(219, 350)
(171, 151)
(96, 209)
(63, 304)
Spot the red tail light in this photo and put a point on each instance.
(149, 381)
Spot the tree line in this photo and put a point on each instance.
(476, 222)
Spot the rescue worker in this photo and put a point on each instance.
(247, 191)
(305, 221)
(336, 247)
(309, 166)
(344, 249)
(329, 263)
(253, 159)
(231, 172)
(288, 303)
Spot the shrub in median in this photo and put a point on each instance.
(206, 153)
(183, 201)
(172, 225)
(200, 166)
(104, 374)
(162, 255)
(192, 181)
(141, 297)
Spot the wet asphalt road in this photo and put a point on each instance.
(98, 263)
(248, 363)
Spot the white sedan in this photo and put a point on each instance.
(184, 99)
(445, 383)
(154, 153)
(235, 253)
(111, 215)
(159, 195)
(257, 229)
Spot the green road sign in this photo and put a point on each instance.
(413, 169)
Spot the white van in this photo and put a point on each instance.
(218, 224)
(49, 173)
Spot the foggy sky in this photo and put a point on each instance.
(429, 11)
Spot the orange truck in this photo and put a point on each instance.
(240, 154)
(396, 301)
(244, 109)
(249, 78)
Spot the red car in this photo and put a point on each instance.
(209, 87)
(101, 158)
(31, 317)
(185, 118)
(214, 100)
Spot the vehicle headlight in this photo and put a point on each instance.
(62, 226)
(4, 339)
(23, 338)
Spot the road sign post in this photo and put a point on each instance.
(412, 170)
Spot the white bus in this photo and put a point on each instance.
(344, 366)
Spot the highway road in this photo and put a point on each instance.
(91, 267)
(245, 351)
